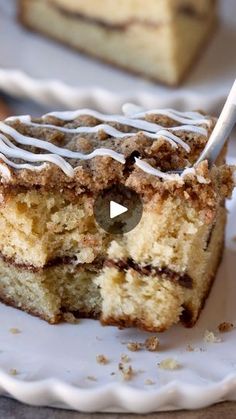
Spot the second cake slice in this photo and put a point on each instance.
(158, 39)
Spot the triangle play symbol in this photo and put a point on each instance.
(116, 209)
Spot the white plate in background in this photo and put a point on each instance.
(59, 77)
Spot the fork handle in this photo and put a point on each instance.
(222, 130)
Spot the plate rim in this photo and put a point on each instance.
(118, 397)
(56, 93)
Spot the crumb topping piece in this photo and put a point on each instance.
(125, 358)
(134, 346)
(102, 359)
(152, 343)
(126, 371)
(225, 327)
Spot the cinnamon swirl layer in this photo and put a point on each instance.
(184, 10)
(50, 292)
(149, 270)
(126, 12)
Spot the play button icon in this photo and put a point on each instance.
(118, 209)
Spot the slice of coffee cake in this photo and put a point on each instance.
(55, 257)
(159, 39)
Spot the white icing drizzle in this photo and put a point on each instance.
(182, 117)
(58, 151)
(133, 118)
(142, 125)
(113, 132)
(158, 173)
(154, 131)
(169, 176)
(6, 172)
(10, 150)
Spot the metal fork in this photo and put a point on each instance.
(222, 130)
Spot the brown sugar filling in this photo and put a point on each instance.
(184, 10)
(123, 265)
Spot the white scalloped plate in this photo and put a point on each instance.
(60, 77)
(53, 362)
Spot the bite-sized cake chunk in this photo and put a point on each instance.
(55, 256)
(158, 39)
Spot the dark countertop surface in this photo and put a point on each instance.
(10, 409)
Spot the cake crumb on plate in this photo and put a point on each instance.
(102, 359)
(190, 348)
(134, 346)
(149, 382)
(169, 364)
(13, 371)
(126, 371)
(210, 337)
(125, 358)
(152, 343)
(15, 331)
(225, 327)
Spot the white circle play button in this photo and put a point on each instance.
(118, 209)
